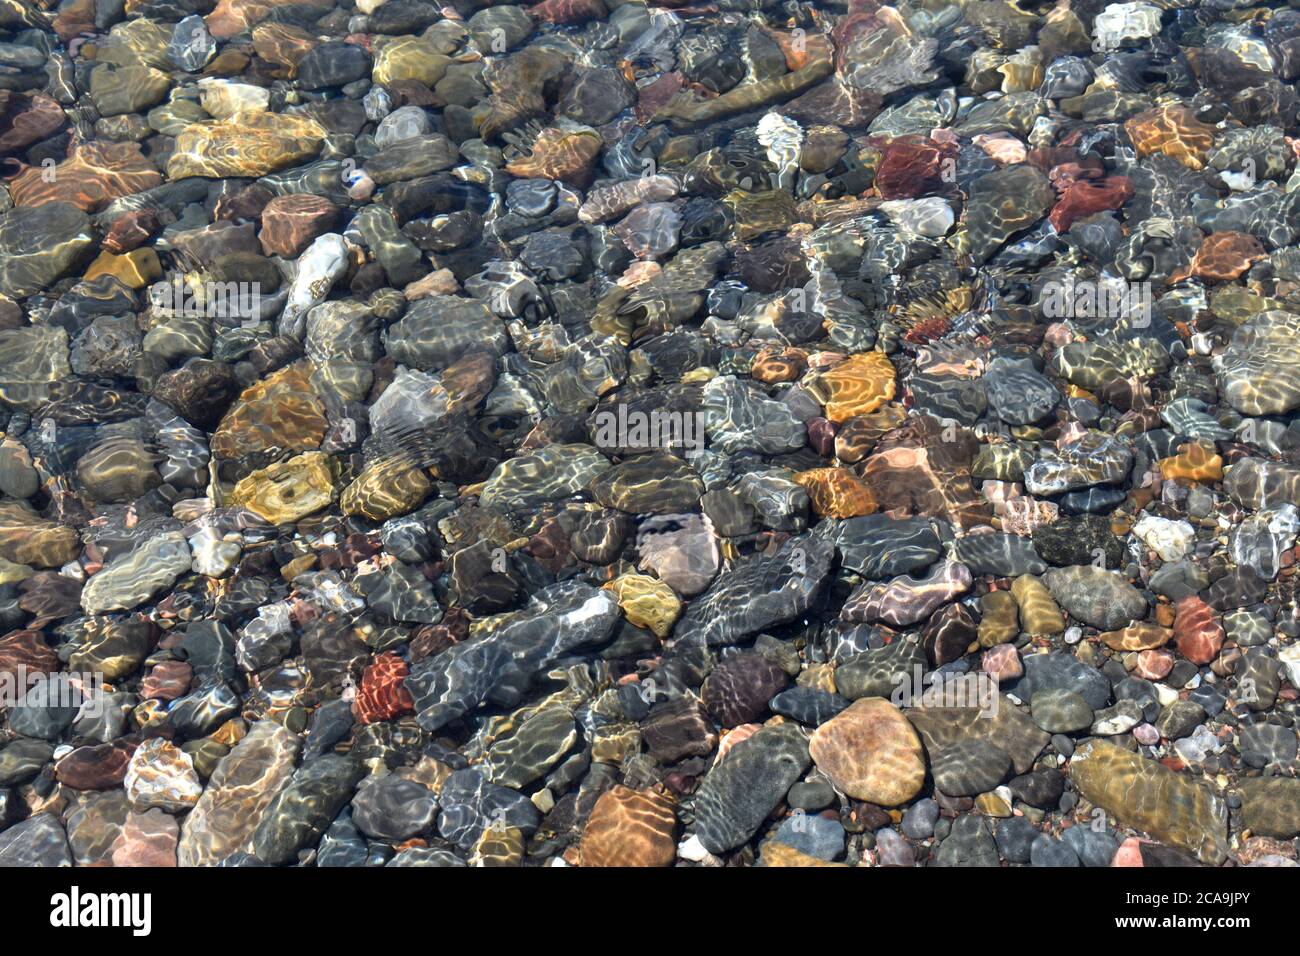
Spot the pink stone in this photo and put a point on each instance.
(1129, 853)
(1146, 735)
(1003, 662)
(147, 839)
(1155, 664)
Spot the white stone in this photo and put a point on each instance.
(1290, 660)
(214, 555)
(323, 264)
(930, 216)
(224, 98)
(1171, 540)
(1124, 22)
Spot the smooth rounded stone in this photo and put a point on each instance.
(678, 728)
(558, 620)
(136, 577)
(333, 64)
(1060, 711)
(392, 808)
(1093, 459)
(1257, 484)
(1018, 394)
(245, 782)
(1180, 719)
(437, 331)
(530, 752)
(117, 90)
(738, 417)
(28, 539)
(920, 818)
(301, 812)
(283, 411)
(878, 546)
(969, 768)
(1256, 373)
(1270, 806)
(655, 483)
(1263, 744)
(1117, 720)
(738, 794)
(906, 600)
(1005, 727)
(816, 836)
(629, 827)
(548, 474)
(647, 602)
(1148, 796)
(386, 488)
(247, 144)
(22, 759)
(1179, 580)
(118, 470)
(1048, 851)
(968, 843)
(811, 795)
(1062, 672)
(738, 690)
(1240, 587)
(809, 706)
(1101, 598)
(1091, 847)
(37, 246)
(1001, 555)
(472, 806)
(47, 709)
(292, 223)
(161, 775)
(1171, 540)
(416, 58)
(37, 841)
(870, 752)
(288, 491)
(881, 671)
(1142, 636)
(147, 839)
(18, 479)
(759, 591)
(1015, 837)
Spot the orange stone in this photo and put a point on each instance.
(1197, 631)
(857, 386)
(630, 828)
(856, 440)
(870, 751)
(1193, 463)
(93, 175)
(778, 365)
(1137, 637)
(837, 492)
(1225, 256)
(281, 412)
(1174, 131)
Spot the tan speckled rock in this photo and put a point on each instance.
(871, 752)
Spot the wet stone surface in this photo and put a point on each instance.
(600, 434)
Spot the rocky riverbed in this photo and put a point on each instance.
(598, 433)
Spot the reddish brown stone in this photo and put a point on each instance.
(1083, 197)
(247, 203)
(821, 436)
(912, 166)
(653, 97)
(1225, 256)
(290, 223)
(27, 119)
(131, 230)
(101, 767)
(93, 175)
(383, 694)
(1198, 634)
(28, 652)
(167, 681)
(569, 11)
(147, 839)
